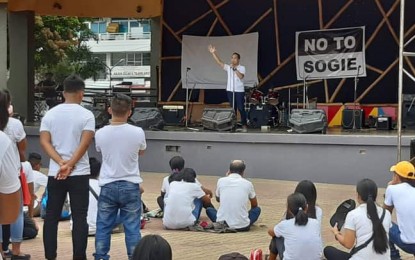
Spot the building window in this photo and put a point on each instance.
(99, 27)
(116, 57)
(146, 59)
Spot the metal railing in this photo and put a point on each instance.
(123, 36)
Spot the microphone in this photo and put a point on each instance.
(188, 68)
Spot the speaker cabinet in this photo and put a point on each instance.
(173, 115)
(147, 118)
(384, 123)
(308, 121)
(408, 112)
(219, 119)
(347, 118)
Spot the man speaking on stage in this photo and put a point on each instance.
(235, 83)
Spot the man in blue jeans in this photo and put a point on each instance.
(120, 144)
(235, 83)
(398, 196)
(233, 192)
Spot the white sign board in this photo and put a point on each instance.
(131, 72)
(336, 53)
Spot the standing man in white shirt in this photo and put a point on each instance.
(234, 192)
(235, 83)
(121, 144)
(399, 196)
(66, 132)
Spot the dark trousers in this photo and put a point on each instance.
(29, 228)
(239, 104)
(6, 237)
(277, 246)
(332, 253)
(78, 189)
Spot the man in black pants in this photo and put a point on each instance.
(66, 132)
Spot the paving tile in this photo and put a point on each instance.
(200, 245)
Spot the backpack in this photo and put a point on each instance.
(66, 209)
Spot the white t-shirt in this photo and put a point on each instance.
(119, 145)
(179, 204)
(28, 171)
(65, 123)
(165, 186)
(358, 221)
(300, 242)
(39, 180)
(15, 131)
(233, 79)
(399, 196)
(9, 166)
(234, 193)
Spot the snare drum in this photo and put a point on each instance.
(273, 98)
(256, 97)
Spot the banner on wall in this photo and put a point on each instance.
(329, 54)
(199, 70)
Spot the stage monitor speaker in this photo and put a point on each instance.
(101, 116)
(412, 148)
(347, 118)
(147, 118)
(384, 123)
(308, 121)
(173, 115)
(408, 111)
(219, 119)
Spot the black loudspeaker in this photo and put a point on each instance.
(219, 119)
(308, 121)
(384, 123)
(173, 115)
(101, 116)
(347, 118)
(408, 111)
(412, 151)
(147, 118)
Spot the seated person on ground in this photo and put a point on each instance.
(176, 165)
(308, 189)
(183, 205)
(400, 195)
(366, 227)
(234, 192)
(40, 180)
(302, 239)
(30, 227)
(153, 247)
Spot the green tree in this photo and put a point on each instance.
(60, 44)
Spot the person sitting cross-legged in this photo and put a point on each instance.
(184, 203)
(233, 192)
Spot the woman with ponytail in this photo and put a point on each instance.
(301, 234)
(365, 228)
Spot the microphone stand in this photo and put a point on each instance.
(356, 80)
(187, 102)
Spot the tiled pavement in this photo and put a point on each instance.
(200, 245)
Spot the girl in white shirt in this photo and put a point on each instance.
(366, 222)
(302, 239)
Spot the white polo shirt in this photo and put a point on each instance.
(400, 197)
(9, 166)
(165, 186)
(234, 192)
(358, 221)
(234, 82)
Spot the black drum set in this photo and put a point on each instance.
(264, 109)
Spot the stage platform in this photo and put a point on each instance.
(340, 156)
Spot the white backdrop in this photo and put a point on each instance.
(204, 72)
